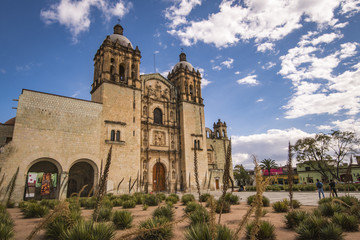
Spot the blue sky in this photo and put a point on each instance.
(274, 70)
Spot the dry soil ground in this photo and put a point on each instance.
(23, 227)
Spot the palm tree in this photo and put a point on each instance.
(268, 164)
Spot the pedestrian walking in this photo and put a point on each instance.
(319, 186)
(332, 189)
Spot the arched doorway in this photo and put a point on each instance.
(80, 174)
(42, 181)
(159, 177)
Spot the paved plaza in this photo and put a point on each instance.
(305, 198)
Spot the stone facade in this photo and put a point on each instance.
(153, 124)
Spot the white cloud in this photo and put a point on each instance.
(268, 65)
(260, 100)
(177, 13)
(75, 15)
(228, 63)
(265, 46)
(272, 144)
(204, 81)
(217, 68)
(156, 52)
(237, 72)
(249, 80)
(320, 87)
(76, 93)
(253, 19)
(350, 7)
(324, 127)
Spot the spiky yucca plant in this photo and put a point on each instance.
(156, 228)
(348, 223)
(164, 211)
(90, 230)
(294, 218)
(200, 215)
(266, 231)
(122, 219)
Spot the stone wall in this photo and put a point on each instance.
(57, 129)
(6, 131)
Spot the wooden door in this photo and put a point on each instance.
(217, 183)
(158, 177)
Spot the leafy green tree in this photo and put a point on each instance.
(241, 175)
(325, 153)
(268, 164)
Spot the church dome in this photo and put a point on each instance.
(10, 121)
(118, 36)
(183, 63)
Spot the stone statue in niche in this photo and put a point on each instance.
(144, 164)
(159, 138)
(173, 164)
(172, 141)
(157, 90)
(150, 90)
(145, 111)
(173, 174)
(165, 94)
(145, 139)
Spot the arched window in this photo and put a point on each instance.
(112, 72)
(217, 134)
(191, 91)
(112, 137)
(223, 131)
(207, 134)
(118, 136)
(198, 144)
(122, 72)
(133, 72)
(157, 116)
(195, 145)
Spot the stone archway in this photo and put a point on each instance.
(159, 177)
(81, 174)
(43, 181)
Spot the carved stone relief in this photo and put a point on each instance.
(145, 138)
(159, 138)
(157, 91)
(172, 141)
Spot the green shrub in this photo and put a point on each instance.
(117, 202)
(139, 198)
(349, 200)
(347, 222)
(232, 199)
(330, 231)
(187, 198)
(164, 211)
(281, 206)
(161, 196)
(191, 206)
(325, 200)
(328, 209)
(122, 219)
(151, 200)
(201, 231)
(161, 233)
(309, 228)
(50, 203)
(126, 197)
(204, 197)
(294, 218)
(104, 214)
(266, 231)
(200, 215)
(57, 228)
(296, 203)
(129, 204)
(34, 210)
(89, 203)
(89, 230)
(175, 195)
(309, 187)
(107, 203)
(6, 224)
(265, 200)
(145, 207)
(172, 199)
(225, 206)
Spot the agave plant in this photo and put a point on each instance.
(122, 219)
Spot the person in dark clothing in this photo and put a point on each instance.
(333, 192)
(319, 186)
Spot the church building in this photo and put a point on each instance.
(155, 126)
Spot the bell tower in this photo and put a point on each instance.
(192, 122)
(220, 129)
(117, 87)
(116, 62)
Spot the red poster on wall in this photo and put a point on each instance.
(45, 184)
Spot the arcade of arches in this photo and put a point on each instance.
(44, 180)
